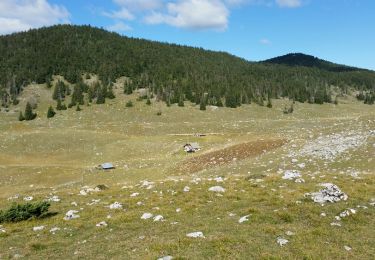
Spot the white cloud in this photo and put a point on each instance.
(122, 14)
(289, 3)
(21, 15)
(119, 27)
(193, 14)
(140, 5)
(265, 41)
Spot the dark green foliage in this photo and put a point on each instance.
(51, 112)
(101, 93)
(158, 113)
(269, 103)
(128, 87)
(20, 212)
(129, 104)
(29, 115)
(110, 93)
(148, 102)
(168, 70)
(60, 106)
(60, 91)
(202, 104)
(21, 117)
(289, 110)
(78, 108)
(181, 101)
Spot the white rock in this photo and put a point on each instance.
(168, 257)
(347, 248)
(282, 241)
(289, 233)
(71, 214)
(28, 198)
(54, 229)
(135, 194)
(217, 189)
(219, 179)
(115, 205)
(178, 210)
(243, 219)
(291, 175)
(301, 165)
(330, 193)
(74, 204)
(39, 228)
(146, 215)
(54, 198)
(197, 234)
(158, 218)
(186, 189)
(102, 224)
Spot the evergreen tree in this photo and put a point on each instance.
(100, 98)
(202, 105)
(60, 106)
(181, 101)
(269, 103)
(148, 102)
(51, 112)
(78, 108)
(29, 115)
(21, 117)
(110, 93)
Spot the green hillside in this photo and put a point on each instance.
(170, 71)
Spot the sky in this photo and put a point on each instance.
(341, 31)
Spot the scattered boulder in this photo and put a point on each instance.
(291, 175)
(217, 189)
(158, 218)
(330, 193)
(71, 214)
(28, 198)
(146, 215)
(102, 224)
(39, 228)
(282, 241)
(243, 219)
(197, 234)
(115, 205)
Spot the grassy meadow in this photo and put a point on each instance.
(249, 148)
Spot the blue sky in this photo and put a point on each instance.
(341, 31)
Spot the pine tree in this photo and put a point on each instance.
(51, 112)
(269, 103)
(181, 101)
(202, 105)
(21, 117)
(78, 108)
(148, 102)
(60, 106)
(29, 115)
(110, 93)
(100, 99)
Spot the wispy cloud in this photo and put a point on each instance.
(265, 41)
(119, 27)
(21, 15)
(193, 14)
(289, 3)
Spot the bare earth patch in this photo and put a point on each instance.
(229, 154)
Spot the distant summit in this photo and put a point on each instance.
(300, 59)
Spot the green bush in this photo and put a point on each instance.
(20, 212)
(129, 103)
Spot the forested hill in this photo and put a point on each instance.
(300, 59)
(170, 71)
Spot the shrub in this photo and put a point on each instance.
(129, 103)
(51, 112)
(20, 212)
(158, 113)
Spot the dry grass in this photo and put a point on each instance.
(57, 156)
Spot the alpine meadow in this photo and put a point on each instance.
(114, 147)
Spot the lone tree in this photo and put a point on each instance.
(29, 115)
(202, 105)
(21, 117)
(51, 112)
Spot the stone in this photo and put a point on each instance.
(282, 241)
(217, 189)
(197, 234)
(71, 214)
(330, 193)
(115, 205)
(146, 215)
(243, 219)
